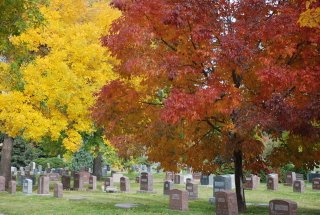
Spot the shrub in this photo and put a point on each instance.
(54, 162)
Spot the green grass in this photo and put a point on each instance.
(99, 202)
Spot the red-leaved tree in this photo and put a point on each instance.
(213, 74)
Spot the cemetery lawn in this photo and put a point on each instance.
(98, 202)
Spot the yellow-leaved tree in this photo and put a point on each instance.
(56, 88)
(311, 17)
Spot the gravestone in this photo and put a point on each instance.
(54, 176)
(192, 190)
(27, 168)
(222, 182)
(2, 184)
(226, 203)
(178, 200)
(204, 180)
(169, 176)
(104, 171)
(178, 179)
(138, 179)
(316, 184)
(116, 176)
(311, 176)
(12, 187)
(124, 184)
(185, 177)
(251, 182)
(58, 190)
(233, 181)
(146, 182)
(27, 186)
(290, 178)
(14, 171)
(40, 169)
(196, 176)
(167, 186)
(272, 182)
(33, 166)
(211, 181)
(43, 185)
(78, 182)
(188, 180)
(85, 175)
(22, 170)
(283, 207)
(93, 182)
(298, 186)
(66, 182)
(108, 182)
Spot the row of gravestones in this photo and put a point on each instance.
(145, 179)
(80, 181)
(226, 203)
(43, 186)
(227, 182)
(291, 180)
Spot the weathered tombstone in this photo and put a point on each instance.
(251, 182)
(12, 187)
(298, 186)
(211, 181)
(22, 170)
(43, 185)
(78, 182)
(290, 178)
(85, 175)
(27, 168)
(222, 182)
(311, 176)
(226, 203)
(178, 179)
(40, 169)
(146, 182)
(66, 182)
(14, 171)
(54, 176)
(20, 179)
(316, 184)
(93, 182)
(178, 200)
(2, 184)
(192, 190)
(196, 176)
(58, 190)
(272, 182)
(108, 182)
(167, 186)
(233, 181)
(33, 166)
(27, 186)
(204, 180)
(124, 184)
(104, 171)
(283, 207)
(138, 179)
(116, 176)
(169, 176)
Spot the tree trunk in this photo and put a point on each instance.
(239, 179)
(5, 163)
(97, 166)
